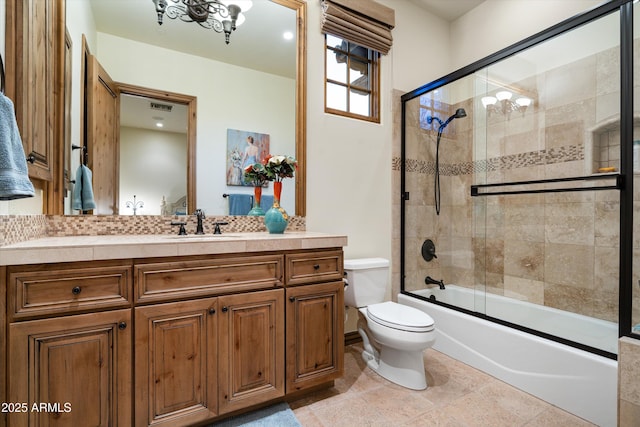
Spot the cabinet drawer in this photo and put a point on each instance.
(310, 267)
(192, 278)
(58, 289)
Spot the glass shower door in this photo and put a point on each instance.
(520, 195)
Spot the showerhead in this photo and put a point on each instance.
(460, 113)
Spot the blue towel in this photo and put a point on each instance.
(83, 190)
(14, 176)
(240, 204)
(266, 202)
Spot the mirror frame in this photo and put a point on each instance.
(301, 102)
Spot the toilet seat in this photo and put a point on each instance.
(399, 316)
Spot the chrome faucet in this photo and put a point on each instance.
(199, 213)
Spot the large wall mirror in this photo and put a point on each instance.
(254, 84)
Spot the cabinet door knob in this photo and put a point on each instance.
(212, 310)
(316, 266)
(76, 290)
(122, 325)
(292, 299)
(225, 309)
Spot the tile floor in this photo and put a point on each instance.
(457, 396)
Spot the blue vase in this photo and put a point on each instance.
(276, 218)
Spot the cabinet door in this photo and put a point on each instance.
(35, 40)
(251, 348)
(176, 359)
(315, 334)
(71, 371)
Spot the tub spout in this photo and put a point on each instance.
(430, 281)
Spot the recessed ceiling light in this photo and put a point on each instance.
(159, 124)
(287, 35)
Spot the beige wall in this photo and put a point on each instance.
(496, 24)
(149, 170)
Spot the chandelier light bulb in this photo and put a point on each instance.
(523, 101)
(240, 20)
(504, 95)
(488, 100)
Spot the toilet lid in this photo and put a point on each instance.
(399, 316)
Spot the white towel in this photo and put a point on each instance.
(14, 176)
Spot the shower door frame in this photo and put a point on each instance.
(624, 181)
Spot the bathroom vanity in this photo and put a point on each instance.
(166, 330)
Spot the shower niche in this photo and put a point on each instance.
(602, 147)
(605, 148)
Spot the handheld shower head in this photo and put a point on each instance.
(460, 113)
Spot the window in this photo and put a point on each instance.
(352, 83)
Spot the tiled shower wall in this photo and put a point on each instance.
(555, 249)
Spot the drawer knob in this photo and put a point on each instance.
(122, 325)
(225, 309)
(316, 266)
(212, 310)
(76, 290)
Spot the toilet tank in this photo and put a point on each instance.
(368, 279)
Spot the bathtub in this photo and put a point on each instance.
(577, 381)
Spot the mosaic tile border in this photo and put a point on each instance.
(19, 228)
(567, 153)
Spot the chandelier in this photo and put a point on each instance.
(218, 15)
(502, 103)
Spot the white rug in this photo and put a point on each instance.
(278, 415)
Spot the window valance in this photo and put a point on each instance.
(363, 22)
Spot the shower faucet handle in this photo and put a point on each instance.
(429, 250)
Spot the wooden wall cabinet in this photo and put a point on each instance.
(211, 335)
(35, 77)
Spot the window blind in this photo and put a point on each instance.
(363, 22)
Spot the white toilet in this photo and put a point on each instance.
(394, 335)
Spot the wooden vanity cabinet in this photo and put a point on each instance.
(76, 370)
(315, 334)
(251, 349)
(66, 350)
(176, 363)
(174, 341)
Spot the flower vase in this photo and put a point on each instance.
(276, 219)
(256, 210)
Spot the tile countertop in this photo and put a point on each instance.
(90, 248)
